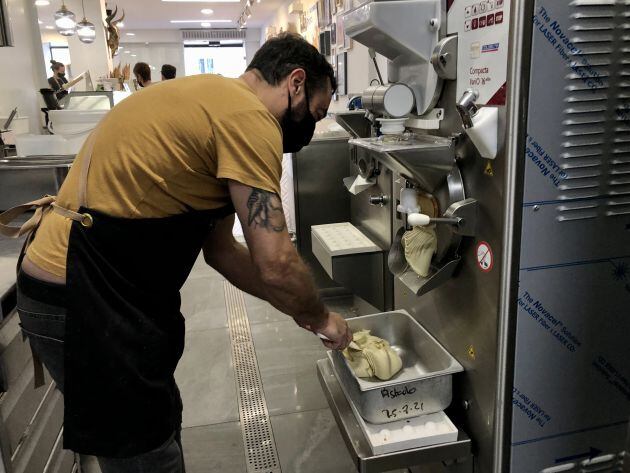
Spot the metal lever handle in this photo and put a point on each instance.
(422, 220)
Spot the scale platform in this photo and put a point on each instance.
(364, 452)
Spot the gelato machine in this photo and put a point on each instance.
(497, 143)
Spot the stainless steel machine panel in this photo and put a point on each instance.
(320, 197)
(374, 220)
(462, 312)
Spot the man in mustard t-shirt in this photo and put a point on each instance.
(160, 179)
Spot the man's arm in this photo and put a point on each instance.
(284, 279)
(231, 259)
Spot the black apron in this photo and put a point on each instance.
(124, 330)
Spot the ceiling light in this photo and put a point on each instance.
(120, 24)
(200, 21)
(85, 30)
(206, 24)
(42, 3)
(207, 11)
(50, 27)
(40, 22)
(127, 52)
(134, 55)
(130, 34)
(65, 21)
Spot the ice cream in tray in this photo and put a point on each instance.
(420, 368)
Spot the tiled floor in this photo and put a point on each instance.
(307, 437)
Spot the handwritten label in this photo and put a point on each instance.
(393, 393)
(407, 409)
(553, 325)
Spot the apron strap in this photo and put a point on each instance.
(84, 219)
(85, 168)
(40, 206)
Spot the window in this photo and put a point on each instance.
(225, 59)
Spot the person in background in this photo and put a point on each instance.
(168, 72)
(142, 71)
(58, 79)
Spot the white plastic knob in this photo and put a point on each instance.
(418, 220)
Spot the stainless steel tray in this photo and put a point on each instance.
(423, 386)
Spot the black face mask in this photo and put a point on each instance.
(297, 134)
(62, 74)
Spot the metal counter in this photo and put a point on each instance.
(26, 178)
(9, 252)
(358, 445)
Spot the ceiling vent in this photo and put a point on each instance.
(213, 34)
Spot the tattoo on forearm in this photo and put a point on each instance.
(265, 210)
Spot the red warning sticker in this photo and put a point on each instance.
(485, 258)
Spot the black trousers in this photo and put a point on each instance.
(42, 311)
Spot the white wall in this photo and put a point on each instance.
(252, 43)
(24, 71)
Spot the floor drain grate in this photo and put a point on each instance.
(260, 447)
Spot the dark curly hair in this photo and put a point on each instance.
(143, 70)
(281, 55)
(168, 71)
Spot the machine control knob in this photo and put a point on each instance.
(379, 200)
(467, 108)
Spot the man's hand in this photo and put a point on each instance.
(336, 330)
